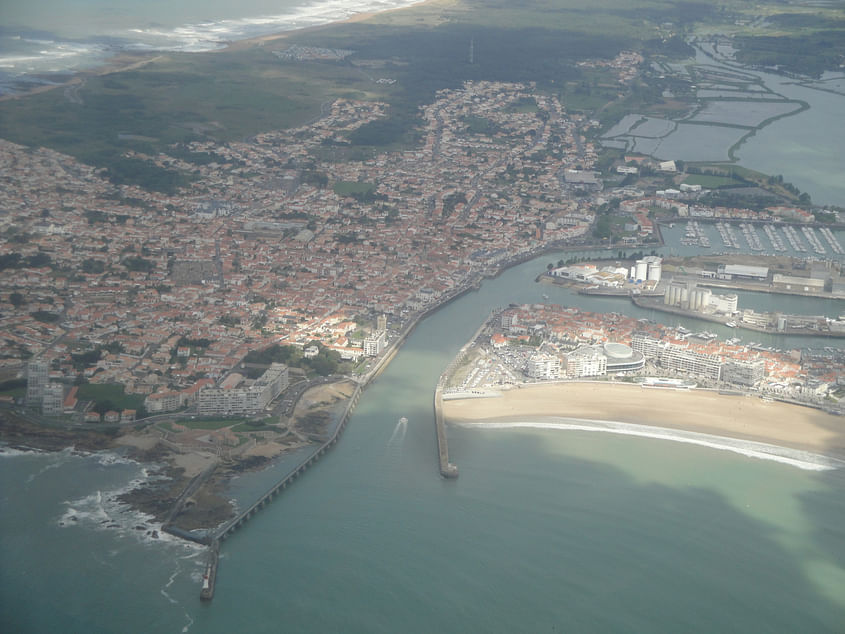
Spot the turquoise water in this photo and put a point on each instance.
(544, 530)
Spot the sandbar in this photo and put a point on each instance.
(702, 411)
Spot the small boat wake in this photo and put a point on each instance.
(398, 432)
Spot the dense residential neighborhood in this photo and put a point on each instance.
(291, 238)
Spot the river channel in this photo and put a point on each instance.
(544, 530)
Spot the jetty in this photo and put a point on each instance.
(447, 469)
(193, 486)
(241, 518)
(210, 574)
(223, 532)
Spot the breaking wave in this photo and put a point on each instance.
(104, 510)
(13, 452)
(27, 60)
(794, 457)
(213, 34)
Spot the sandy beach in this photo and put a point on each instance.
(125, 61)
(261, 40)
(743, 417)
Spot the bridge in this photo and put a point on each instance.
(214, 539)
(238, 521)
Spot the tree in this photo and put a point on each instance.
(230, 321)
(16, 299)
(101, 407)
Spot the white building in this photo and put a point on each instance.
(744, 372)
(648, 268)
(220, 401)
(543, 366)
(52, 399)
(648, 346)
(586, 361)
(375, 343)
(37, 378)
(678, 358)
(692, 297)
(168, 401)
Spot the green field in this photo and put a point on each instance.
(177, 98)
(210, 424)
(230, 95)
(709, 181)
(110, 393)
(346, 188)
(261, 426)
(233, 94)
(13, 387)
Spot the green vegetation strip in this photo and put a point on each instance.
(709, 181)
(109, 396)
(208, 424)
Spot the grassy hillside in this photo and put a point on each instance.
(236, 93)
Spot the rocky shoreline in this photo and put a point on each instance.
(164, 496)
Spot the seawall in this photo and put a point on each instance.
(447, 469)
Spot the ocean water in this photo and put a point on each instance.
(42, 41)
(546, 529)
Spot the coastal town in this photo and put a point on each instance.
(241, 255)
(287, 257)
(279, 241)
(544, 342)
(262, 249)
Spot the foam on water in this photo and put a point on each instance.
(794, 457)
(37, 56)
(214, 34)
(27, 60)
(104, 510)
(13, 452)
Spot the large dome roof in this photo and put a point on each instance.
(618, 351)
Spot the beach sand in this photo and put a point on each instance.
(744, 417)
(131, 61)
(261, 40)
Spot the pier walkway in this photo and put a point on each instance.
(239, 520)
(214, 539)
(447, 469)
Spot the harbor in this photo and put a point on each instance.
(812, 240)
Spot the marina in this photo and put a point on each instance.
(793, 239)
(812, 241)
(751, 237)
(832, 240)
(695, 235)
(728, 235)
(774, 238)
